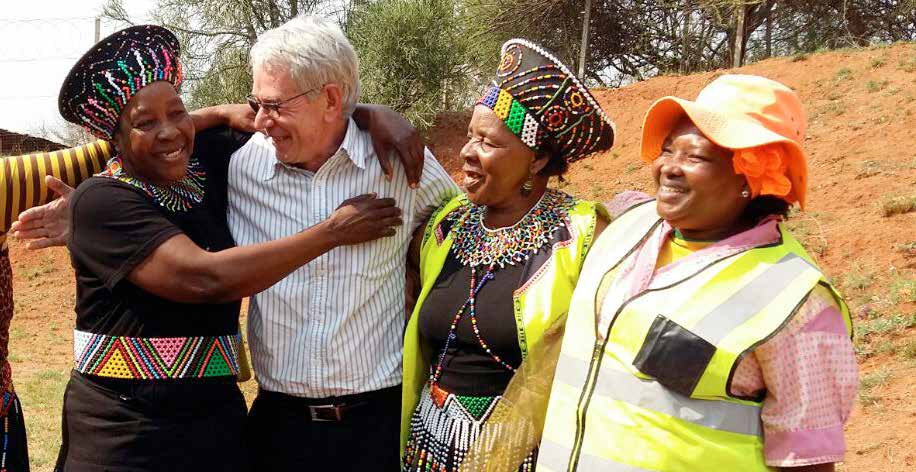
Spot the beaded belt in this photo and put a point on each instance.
(156, 358)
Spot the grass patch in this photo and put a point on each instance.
(908, 351)
(894, 323)
(42, 393)
(869, 399)
(632, 168)
(857, 277)
(874, 86)
(906, 248)
(844, 73)
(875, 379)
(877, 62)
(908, 64)
(835, 108)
(800, 57)
(903, 290)
(868, 169)
(807, 228)
(892, 205)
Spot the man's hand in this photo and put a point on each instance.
(47, 225)
(363, 218)
(392, 132)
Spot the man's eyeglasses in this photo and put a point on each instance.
(272, 108)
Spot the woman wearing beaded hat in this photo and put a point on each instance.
(701, 335)
(158, 281)
(498, 265)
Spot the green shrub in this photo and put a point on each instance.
(412, 55)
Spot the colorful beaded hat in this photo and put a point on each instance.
(101, 83)
(544, 103)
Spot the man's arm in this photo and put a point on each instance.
(390, 132)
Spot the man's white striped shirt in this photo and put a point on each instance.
(334, 326)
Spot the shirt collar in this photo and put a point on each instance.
(355, 146)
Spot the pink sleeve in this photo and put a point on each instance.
(624, 200)
(811, 377)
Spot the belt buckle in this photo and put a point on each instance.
(326, 413)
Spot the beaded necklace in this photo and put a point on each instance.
(477, 246)
(181, 195)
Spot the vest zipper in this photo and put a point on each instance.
(590, 381)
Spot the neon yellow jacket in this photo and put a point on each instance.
(541, 300)
(650, 392)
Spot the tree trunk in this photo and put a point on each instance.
(768, 34)
(685, 33)
(741, 13)
(583, 49)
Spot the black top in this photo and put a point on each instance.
(467, 368)
(116, 226)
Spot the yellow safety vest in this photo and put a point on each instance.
(542, 299)
(651, 393)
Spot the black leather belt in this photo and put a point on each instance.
(333, 409)
(331, 412)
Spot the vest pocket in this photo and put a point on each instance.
(674, 356)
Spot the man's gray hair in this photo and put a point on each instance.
(316, 53)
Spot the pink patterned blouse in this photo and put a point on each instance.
(807, 371)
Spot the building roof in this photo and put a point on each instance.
(12, 144)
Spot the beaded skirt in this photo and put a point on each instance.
(443, 428)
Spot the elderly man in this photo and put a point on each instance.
(325, 341)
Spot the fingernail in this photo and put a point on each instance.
(414, 186)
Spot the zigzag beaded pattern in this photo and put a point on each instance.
(542, 102)
(179, 196)
(127, 357)
(103, 81)
(475, 245)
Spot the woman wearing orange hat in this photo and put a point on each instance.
(701, 335)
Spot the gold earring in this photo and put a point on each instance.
(528, 186)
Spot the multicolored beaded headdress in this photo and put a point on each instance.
(102, 82)
(545, 104)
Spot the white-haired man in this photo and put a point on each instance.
(325, 341)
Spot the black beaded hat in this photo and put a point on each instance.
(544, 103)
(101, 83)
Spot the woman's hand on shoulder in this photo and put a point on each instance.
(362, 219)
(236, 116)
(392, 132)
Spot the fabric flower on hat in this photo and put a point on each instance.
(765, 168)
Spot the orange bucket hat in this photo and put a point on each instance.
(740, 113)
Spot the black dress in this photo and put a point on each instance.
(193, 423)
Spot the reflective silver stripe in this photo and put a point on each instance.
(556, 457)
(649, 394)
(750, 299)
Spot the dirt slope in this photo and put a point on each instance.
(861, 141)
(862, 145)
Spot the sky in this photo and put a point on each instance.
(39, 41)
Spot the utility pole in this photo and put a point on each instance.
(739, 36)
(583, 50)
(684, 66)
(98, 29)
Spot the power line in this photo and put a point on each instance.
(34, 20)
(39, 59)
